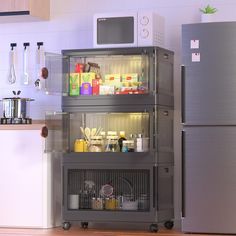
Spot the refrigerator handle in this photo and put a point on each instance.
(183, 73)
(155, 187)
(183, 172)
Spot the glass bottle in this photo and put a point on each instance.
(121, 139)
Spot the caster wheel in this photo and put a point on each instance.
(84, 225)
(169, 224)
(153, 228)
(66, 225)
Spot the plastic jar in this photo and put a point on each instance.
(128, 146)
(112, 143)
(79, 145)
(96, 144)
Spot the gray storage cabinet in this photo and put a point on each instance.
(118, 186)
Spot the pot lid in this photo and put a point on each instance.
(18, 98)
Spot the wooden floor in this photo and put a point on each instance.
(88, 232)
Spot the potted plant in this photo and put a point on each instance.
(207, 13)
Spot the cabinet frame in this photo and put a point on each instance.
(158, 161)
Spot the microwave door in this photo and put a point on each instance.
(117, 31)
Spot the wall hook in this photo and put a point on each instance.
(39, 44)
(13, 45)
(26, 45)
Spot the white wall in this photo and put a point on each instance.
(70, 27)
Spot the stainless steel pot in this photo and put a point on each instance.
(16, 107)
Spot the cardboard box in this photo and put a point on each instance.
(96, 86)
(87, 77)
(74, 87)
(86, 89)
(106, 90)
(131, 77)
(113, 80)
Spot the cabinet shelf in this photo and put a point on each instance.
(119, 100)
(131, 158)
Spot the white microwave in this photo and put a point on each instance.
(128, 29)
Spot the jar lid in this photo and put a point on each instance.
(96, 137)
(128, 142)
(111, 133)
(113, 137)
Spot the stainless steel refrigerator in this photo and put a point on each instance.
(209, 127)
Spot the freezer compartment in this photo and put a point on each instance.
(209, 84)
(209, 179)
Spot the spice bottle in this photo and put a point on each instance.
(121, 139)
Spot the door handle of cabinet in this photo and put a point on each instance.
(154, 129)
(183, 74)
(44, 132)
(183, 172)
(44, 73)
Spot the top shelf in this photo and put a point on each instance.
(121, 75)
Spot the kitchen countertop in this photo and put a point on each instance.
(36, 124)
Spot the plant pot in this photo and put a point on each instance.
(207, 18)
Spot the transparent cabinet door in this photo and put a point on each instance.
(110, 131)
(56, 132)
(109, 74)
(55, 73)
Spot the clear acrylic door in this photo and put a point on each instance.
(56, 73)
(111, 131)
(56, 132)
(106, 74)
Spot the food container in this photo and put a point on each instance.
(80, 145)
(97, 203)
(130, 205)
(112, 143)
(16, 107)
(96, 144)
(128, 146)
(111, 203)
(142, 144)
(143, 202)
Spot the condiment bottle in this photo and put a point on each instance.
(121, 139)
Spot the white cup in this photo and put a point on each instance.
(73, 201)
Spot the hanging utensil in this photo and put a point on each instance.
(25, 64)
(87, 133)
(93, 132)
(39, 64)
(98, 132)
(12, 74)
(82, 130)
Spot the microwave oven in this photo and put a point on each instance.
(128, 29)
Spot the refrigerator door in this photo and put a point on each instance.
(209, 81)
(209, 183)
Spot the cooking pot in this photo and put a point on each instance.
(16, 107)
